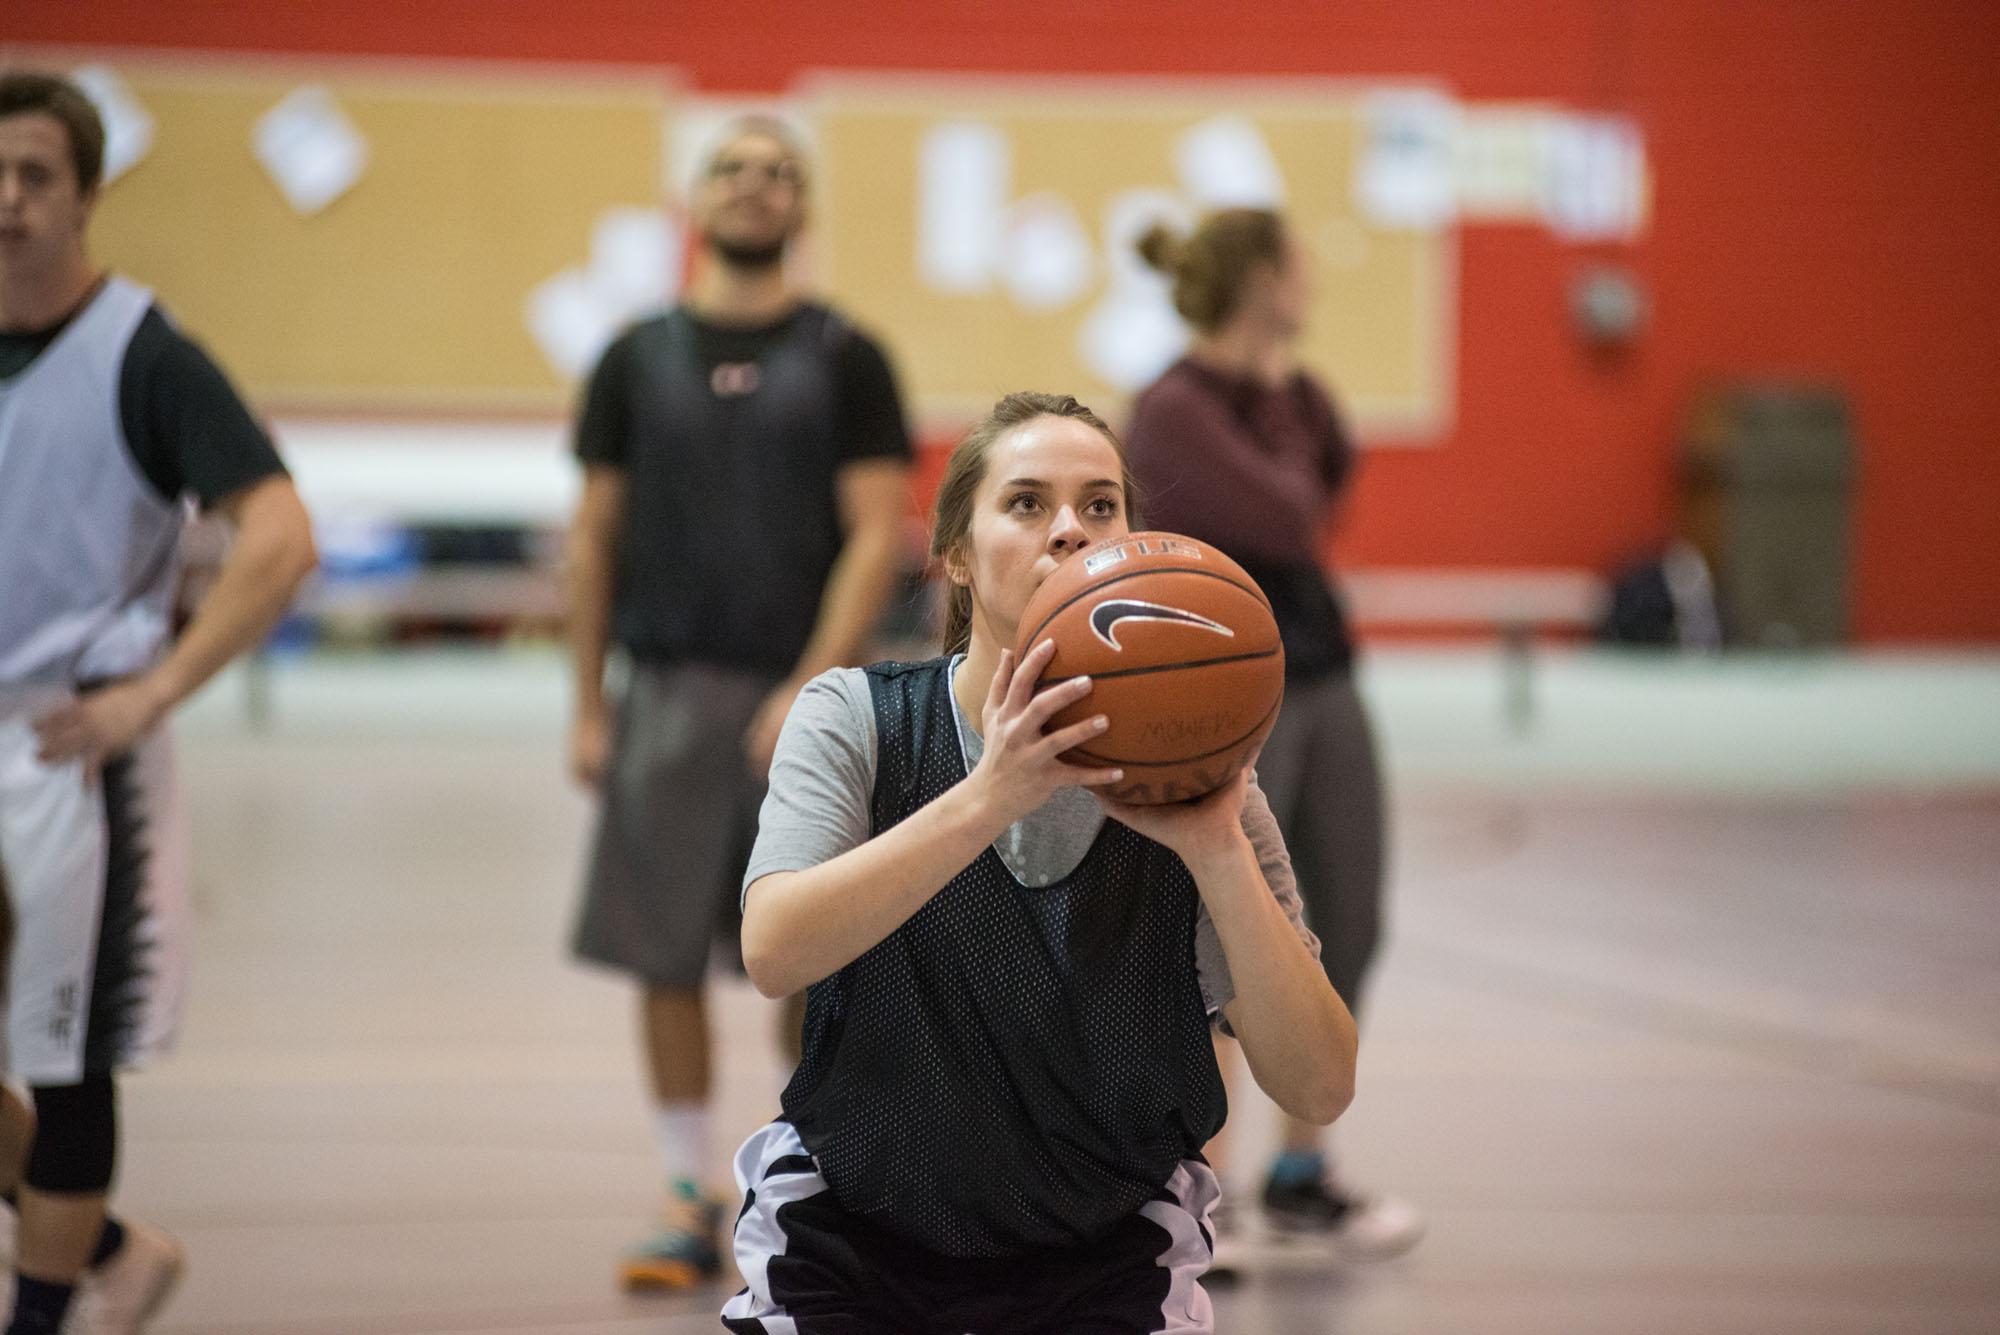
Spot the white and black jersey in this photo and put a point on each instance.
(109, 422)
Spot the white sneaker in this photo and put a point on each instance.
(121, 1296)
(1375, 1228)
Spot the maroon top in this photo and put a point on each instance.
(1237, 463)
(1252, 469)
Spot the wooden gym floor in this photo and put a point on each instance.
(1690, 1019)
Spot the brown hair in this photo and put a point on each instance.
(23, 92)
(951, 513)
(1209, 266)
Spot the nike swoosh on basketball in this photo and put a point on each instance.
(1104, 618)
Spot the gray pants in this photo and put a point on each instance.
(1320, 773)
(678, 820)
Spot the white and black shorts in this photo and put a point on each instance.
(811, 1268)
(96, 872)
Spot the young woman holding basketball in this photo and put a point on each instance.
(1007, 1076)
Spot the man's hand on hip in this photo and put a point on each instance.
(100, 725)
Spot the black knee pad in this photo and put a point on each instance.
(76, 1137)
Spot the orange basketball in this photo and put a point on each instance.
(1182, 654)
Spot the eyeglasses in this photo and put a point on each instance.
(757, 172)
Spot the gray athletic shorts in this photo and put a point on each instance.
(677, 820)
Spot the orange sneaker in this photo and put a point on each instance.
(681, 1252)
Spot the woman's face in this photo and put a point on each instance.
(1287, 293)
(1052, 486)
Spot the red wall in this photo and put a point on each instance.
(1827, 192)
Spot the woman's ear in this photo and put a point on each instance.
(955, 568)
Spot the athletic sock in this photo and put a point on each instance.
(39, 1306)
(680, 1131)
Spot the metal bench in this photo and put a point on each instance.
(1515, 604)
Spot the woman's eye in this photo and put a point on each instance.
(1024, 503)
(1104, 507)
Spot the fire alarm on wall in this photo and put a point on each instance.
(1607, 304)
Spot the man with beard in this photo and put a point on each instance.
(745, 468)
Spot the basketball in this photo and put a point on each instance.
(1183, 657)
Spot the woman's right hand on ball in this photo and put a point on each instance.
(1019, 769)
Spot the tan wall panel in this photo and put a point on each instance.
(1384, 310)
(409, 290)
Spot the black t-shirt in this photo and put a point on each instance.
(187, 429)
(870, 414)
(731, 442)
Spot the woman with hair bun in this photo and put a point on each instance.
(1238, 445)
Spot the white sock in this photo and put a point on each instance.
(681, 1132)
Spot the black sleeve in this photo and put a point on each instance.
(602, 436)
(871, 411)
(184, 422)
